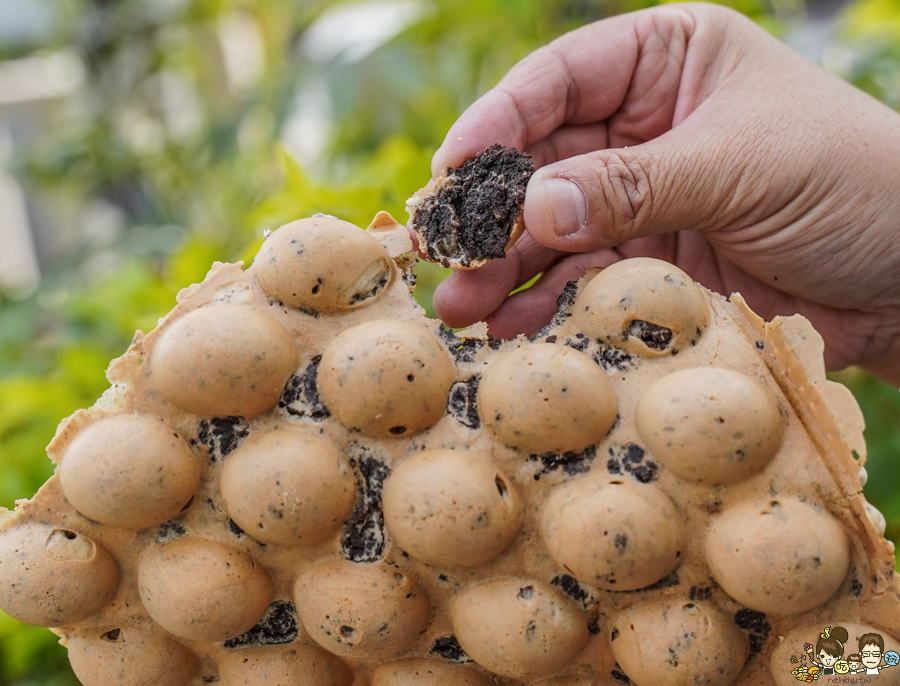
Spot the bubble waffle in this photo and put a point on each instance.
(298, 477)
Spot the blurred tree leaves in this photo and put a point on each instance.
(31, 655)
(199, 183)
(868, 53)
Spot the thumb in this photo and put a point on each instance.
(604, 198)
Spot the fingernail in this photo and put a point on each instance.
(567, 205)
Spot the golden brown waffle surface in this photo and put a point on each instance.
(299, 478)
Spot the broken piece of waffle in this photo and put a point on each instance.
(472, 214)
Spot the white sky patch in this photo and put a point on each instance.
(307, 129)
(352, 31)
(243, 51)
(180, 104)
(19, 274)
(43, 77)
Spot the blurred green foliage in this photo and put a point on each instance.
(869, 51)
(205, 192)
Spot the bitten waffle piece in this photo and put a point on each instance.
(472, 214)
(299, 478)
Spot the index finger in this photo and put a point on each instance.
(582, 77)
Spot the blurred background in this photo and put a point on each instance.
(140, 140)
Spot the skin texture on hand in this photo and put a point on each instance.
(689, 134)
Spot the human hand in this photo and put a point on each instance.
(687, 133)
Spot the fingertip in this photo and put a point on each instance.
(450, 305)
(466, 297)
(530, 310)
(523, 313)
(459, 143)
(537, 214)
(439, 159)
(455, 149)
(556, 208)
(486, 121)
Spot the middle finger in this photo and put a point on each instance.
(466, 297)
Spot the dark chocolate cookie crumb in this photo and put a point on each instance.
(633, 459)
(579, 344)
(572, 588)
(666, 582)
(375, 290)
(653, 335)
(619, 675)
(471, 215)
(307, 311)
(449, 337)
(701, 593)
(364, 538)
(169, 530)
(563, 311)
(572, 461)
(301, 394)
(567, 298)
(461, 402)
(463, 349)
(112, 636)
(609, 357)
(278, 625)
(221, 435)
(757, 625)
(238, 532)
(448, 648)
